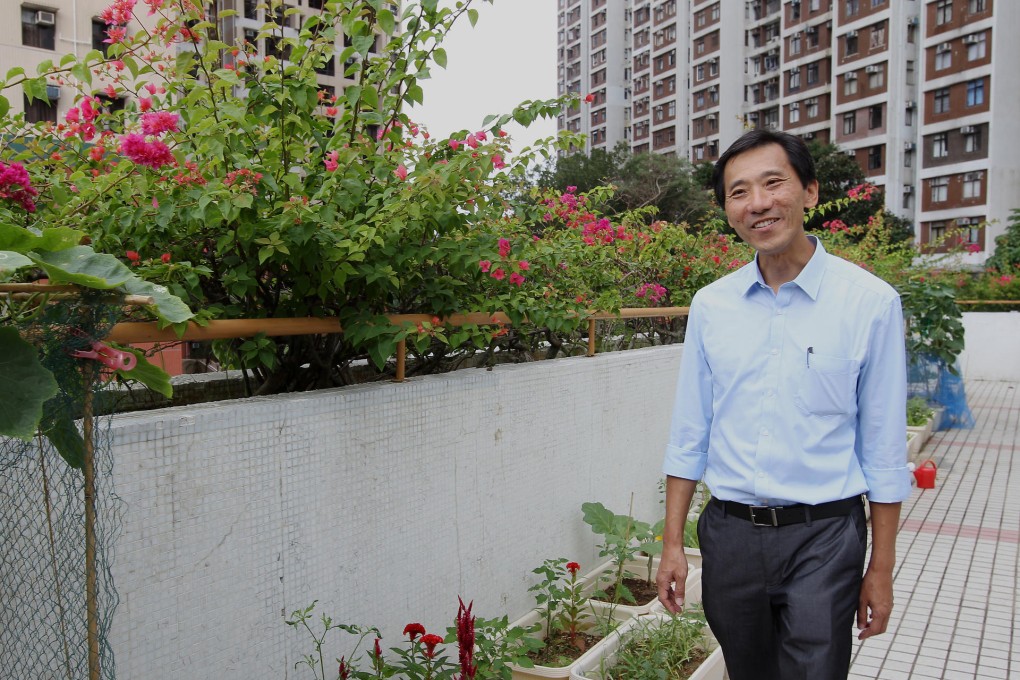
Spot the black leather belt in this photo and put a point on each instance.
(779, 515)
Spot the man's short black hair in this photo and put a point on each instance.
(796, 152)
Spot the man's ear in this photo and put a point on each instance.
(811, 196)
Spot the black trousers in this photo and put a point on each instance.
(782, 600)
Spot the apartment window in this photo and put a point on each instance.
(850, 84)
(876, 78)
(851, 44)
(795, 10)
(976, 46)
(772, 119)
(939, 189)
(972, 185)
(794, 112)
(40, 111)
(671, 110)
(699, 100)
(713, 67)
(811, 110)
(940, 145)
(699, 73)
(795, 44)
(875, 158)
(794, 80)
(943, 59)
(251, 8)
(943, 12)
(941, 100)
(875, 117)
(878, 37)
(849, 123)
(815, 5)
(976, 6)
(974, 235)
(715, 12)
(972, 141)
(975, 92)
(936, 232)
(852, 7)
(812, 73)
(908, 159)
(37, 29)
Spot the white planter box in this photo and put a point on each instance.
(601, 610)
(713, 668)
(914, 445)
(637, 568)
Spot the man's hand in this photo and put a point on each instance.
(876, 603)
(671, 579)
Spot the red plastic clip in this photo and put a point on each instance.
(116, 359)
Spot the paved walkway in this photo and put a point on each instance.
(957, 613)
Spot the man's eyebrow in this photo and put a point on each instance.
(765, 174)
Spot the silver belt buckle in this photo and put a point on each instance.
(766, 519)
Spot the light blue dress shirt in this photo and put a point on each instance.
(797, 396)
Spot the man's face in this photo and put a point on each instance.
(765, 201)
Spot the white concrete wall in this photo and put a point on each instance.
(992, 346)
(384, 502)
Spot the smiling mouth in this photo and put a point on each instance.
(764, 223)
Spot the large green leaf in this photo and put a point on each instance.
(10, 261)
(62, 431)
(25, 384)
(169, 307)
(148, 374)
(21, 240)
(82, 266)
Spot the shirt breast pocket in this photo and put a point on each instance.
(828, 386)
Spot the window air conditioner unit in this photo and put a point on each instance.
(908, 190)
(963, 221)
(972, 39)
(811, 30)
(911, 104)
(809, 135)
(873, 69)
(944, 47)
(850, 152)
(851, 34)
(971, 176)
(913, 21)
(852, 75)
(52, 92)
(44, 18)
(909, 146)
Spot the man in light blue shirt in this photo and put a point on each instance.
(791, 405)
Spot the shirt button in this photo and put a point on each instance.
(761, 475)
(764, 433)
(774, 352)
(769, 393)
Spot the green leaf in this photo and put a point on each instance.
(440, 56)
(25, 384)
(60, 428)
(82, 266)
(169, 307)
(10, 262)
(353, 94)
(473, 16)
(381, 350)
(386, 21)
(5, 107)
(21, 240)
(147, 373)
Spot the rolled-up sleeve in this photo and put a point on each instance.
(687, 450)
(881, 444)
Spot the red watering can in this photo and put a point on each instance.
(925, 475)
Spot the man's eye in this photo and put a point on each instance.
(737, 194)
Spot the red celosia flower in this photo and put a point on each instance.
(430, 641)
(165, 257)
(344, 670)
(378, 649)
(589, 98)
(466, 640)
(133, 256)
(573, 567)
(414, 630)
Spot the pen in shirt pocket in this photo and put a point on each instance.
(810, 351)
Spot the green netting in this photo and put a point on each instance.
(44, 620)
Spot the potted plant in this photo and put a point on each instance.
(569, 625)
(657, 647)
(920, 420)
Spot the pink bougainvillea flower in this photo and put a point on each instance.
(485, 265)
(110, 91)
(974, 248)
(516, 279)
(331, 161)
(96, 153)
(16, 185)
(155, 204)
(413, 630)
(498, 274)
(573, 567)
(497, 161)
(472, 141)
(165, 257)
(144, 104)
(524, 265)
(154, 154)
(331, 111)
(502, 133)
(504, 247)
(118, 13)
(481, 135)
(454, 144)
(430, 641)
(151, 87)
(158, 122)
(401, 172)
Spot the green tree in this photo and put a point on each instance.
(1007, 246)
(584, 171)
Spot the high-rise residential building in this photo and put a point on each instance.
(919, 92)
(34, 32)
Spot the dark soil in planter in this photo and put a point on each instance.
(559, 651)
(643, 592)
(686, 670)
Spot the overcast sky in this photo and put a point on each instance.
(508, 57)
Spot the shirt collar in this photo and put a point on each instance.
(809, 280)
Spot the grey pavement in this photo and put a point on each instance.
(957, 610)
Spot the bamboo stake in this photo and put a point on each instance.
(133, 300)
(401, 360)
(89, 469)
(591, 336)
